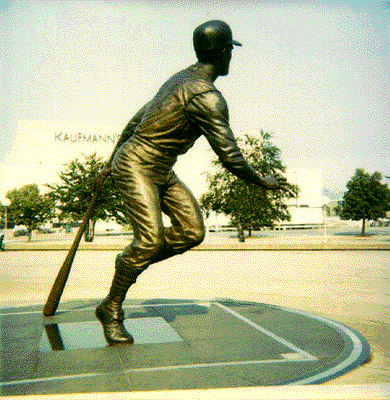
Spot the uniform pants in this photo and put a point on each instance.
(149, 188)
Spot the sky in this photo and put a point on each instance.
(314, 73)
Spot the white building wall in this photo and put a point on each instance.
(305, 216)
(49, 142)
(310, 183)
(41, 148)
(306, 208)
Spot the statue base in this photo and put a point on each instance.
(178, 344)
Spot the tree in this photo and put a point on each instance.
(74, 193)
(29, 208)
(249, 206)
(366, 199)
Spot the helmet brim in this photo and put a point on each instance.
(236, 43)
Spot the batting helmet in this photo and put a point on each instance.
(212, 37)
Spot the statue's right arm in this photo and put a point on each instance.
(209, 112)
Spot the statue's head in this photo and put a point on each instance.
(213, 43)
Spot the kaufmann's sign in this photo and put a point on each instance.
(58, 142)
(65, 137)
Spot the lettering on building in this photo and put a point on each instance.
(64, 137)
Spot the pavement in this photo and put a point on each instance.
(313, 239)
(279, 273)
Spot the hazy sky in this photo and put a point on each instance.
(314, 73)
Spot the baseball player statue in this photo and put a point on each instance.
(187, 106)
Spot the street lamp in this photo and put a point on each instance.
(6, 203)
(296, 187)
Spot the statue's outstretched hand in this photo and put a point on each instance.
(98, 184)
(274, 181)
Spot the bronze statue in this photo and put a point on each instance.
(187, 106)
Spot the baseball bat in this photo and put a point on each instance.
(63, 274)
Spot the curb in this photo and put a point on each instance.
(39, 246)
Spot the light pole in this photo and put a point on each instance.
(296, 187)
(6, 203)
(324, 222)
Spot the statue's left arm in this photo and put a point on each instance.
(127, 132)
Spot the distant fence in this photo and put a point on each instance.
(283, 227)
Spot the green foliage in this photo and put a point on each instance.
(29, 208)
(74, 193)
(366, 199)
(248, 205)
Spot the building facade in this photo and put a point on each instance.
(42, 148)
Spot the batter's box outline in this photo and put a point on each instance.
(297, 354)
(358, 351)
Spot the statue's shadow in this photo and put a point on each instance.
(169, 312)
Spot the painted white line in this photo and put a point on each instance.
(52, 378)
(223, 364)
(354, 355)
(307, 356)
(168, 368)
(20, 313)
(205, 304)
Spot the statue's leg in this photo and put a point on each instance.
(142, 205)
(110, 312)
(187, 229)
